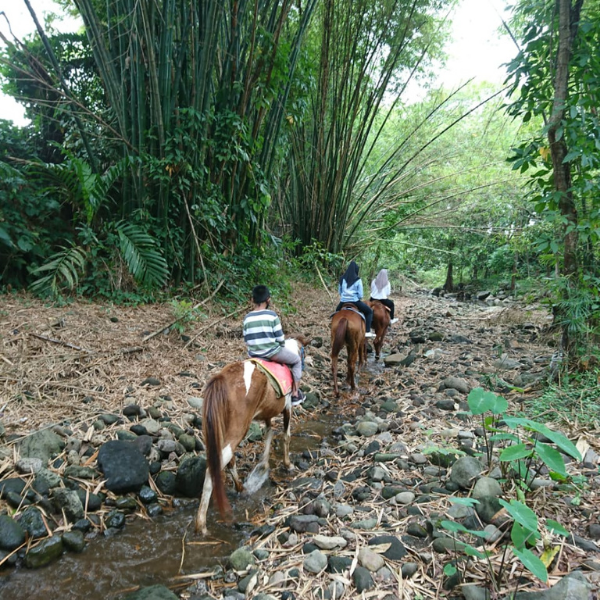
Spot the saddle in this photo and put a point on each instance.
(279, 376)
(349, 307)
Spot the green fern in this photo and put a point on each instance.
(142, 256)
(63, 270)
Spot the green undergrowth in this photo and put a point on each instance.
(574, 399)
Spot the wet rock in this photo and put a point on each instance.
(166, 482)
(115, 520)
(147, 495)
(190, 476)
(77, 472)
(404, 498)
(416, 530)
(44, 553)
(303, 523)
(69, 501)
(12, 535)
(31, 520)
(465, 470)
(448, 404)
(123, 465)
(74, 541)
(154, 592)
(594, 531)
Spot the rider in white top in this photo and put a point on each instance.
(380, 290)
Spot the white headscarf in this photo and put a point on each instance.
(381, 280)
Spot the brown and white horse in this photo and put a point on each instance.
(233, 398)
(347, 329)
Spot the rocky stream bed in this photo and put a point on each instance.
(101, 449)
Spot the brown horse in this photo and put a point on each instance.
(381, 322)
(233, 398)
(347, 329)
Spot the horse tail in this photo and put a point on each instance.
(339, 338)
(213, 424)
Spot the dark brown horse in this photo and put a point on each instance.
(347, 329)
(381, 322)
(233, 398)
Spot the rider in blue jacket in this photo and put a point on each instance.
(351, 292)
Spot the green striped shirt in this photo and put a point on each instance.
(263, 333)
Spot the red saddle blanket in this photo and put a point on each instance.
(279, 375)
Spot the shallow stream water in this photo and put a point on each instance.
(153, 551)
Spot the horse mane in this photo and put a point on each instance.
(214, 409)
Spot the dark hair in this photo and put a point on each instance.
(260, 294)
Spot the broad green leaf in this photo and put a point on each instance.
(453, 526)
(498, 437)
(552, 458)
(464, 501)
(520, 535)
(515, 452)
(556, 527)
(532, 563)
(470, 551)
(521, 514)
(481, 401)
(449, 570)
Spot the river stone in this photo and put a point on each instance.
(409, 569)
(12, 484)
(90, 501)
(487, 508)
(150, 426)
(404, 498)
(28, 465)
(377, 473)
(329, 543)
(69, 501)
(362, 579)
(166, 482)
(114, 520)
(474, 592)
(123, 465)
(190, 476)
(506, 364)
(188, 442)
(248, 583)
(241, 559)
(396, 550)
(125, 435)
(572, 587)
(78, 472)
(338, 564)
(31, 520)
(370, 560)
(315, 562)
(44, 553)
(147, 495)
(73, 540)
(464, 470)
(195, 403)
(367, 428)
(456, 383)
(12, 535)
(301, 523)
(154, 592)
(448, 545)
(486, 486)
(43, 444)
(366, 524)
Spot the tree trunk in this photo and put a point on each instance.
(449, 285)
(568, 19)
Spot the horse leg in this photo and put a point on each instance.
(239, 486)
(287, 420)
(207, 488)
(260, 472)
(334, 369)
(351, 365)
